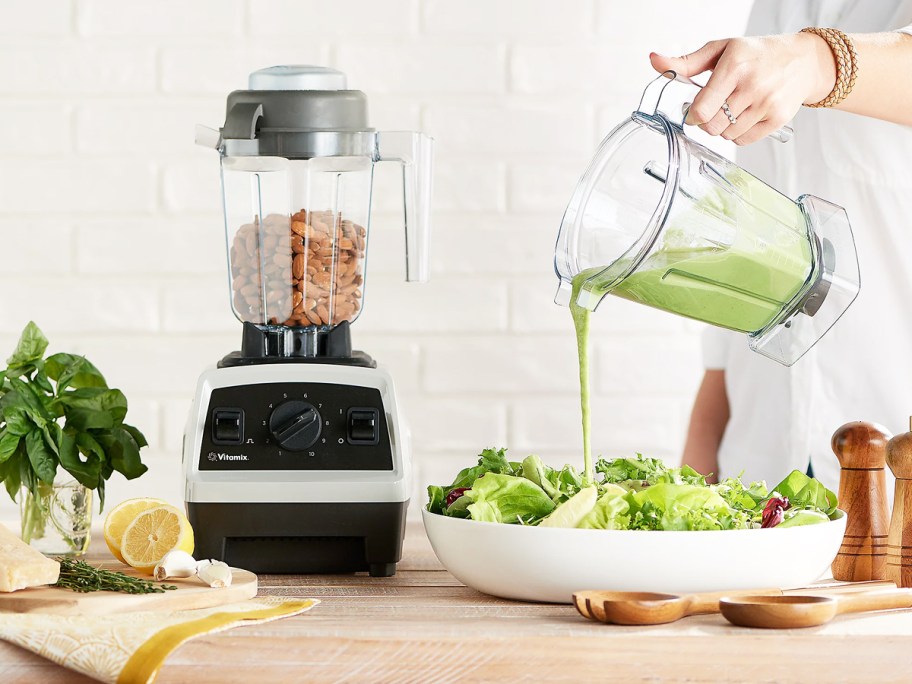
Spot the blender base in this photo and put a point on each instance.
(257, 500)
(302, 538)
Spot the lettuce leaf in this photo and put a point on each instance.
(534, 470)
(750, 498)
(803, 517)
(667, 506)
(609, 513)
(489, 461)
(573, 510)
(806, 492)
(506, 498)
(436, 499)
(648, 471)
(636, 493)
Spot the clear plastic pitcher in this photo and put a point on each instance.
(662, 220)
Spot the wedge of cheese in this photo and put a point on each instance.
(22, 566)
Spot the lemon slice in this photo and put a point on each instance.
(152, 534)
(573, 510)
(121, 516)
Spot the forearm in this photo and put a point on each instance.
(708, 419)
(882, 87)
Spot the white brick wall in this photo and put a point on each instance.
(111, 234)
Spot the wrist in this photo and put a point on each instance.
(822, 64)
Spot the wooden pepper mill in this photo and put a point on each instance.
(861, 449)
(899, 544)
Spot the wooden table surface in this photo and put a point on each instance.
(423, 626)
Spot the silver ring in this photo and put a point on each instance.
(728, 112)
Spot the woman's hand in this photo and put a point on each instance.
(764, 80)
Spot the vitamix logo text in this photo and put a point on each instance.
(222, 456)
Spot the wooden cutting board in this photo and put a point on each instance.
(190, 593)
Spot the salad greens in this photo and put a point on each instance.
(638, 493)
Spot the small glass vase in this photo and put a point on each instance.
(57, 521)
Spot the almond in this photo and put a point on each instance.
(297, 266)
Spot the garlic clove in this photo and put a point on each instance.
(214, 573)
(175, 564)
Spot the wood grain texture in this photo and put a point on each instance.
(424, 627)
(899, 542)
(861, 450)
(190, 593)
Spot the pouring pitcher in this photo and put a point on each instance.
(659, 219)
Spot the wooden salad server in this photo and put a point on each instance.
(789, 612)
(899, 542)
(861, 449)
(650, 608)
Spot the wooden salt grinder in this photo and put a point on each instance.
(899, 543)
(861, 449)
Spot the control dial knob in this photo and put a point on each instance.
(295, 425)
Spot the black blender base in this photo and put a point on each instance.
(301, 538)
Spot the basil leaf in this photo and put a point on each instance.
(31, 347)
(9, 473)
(43, 460)
(89, 445)
(122, 452)
(69, 370)
(137, 436)
(14, 413)
(9, 442)
(95, 408)
(31, 402)
(41, 382)
(100, 490)
(86, 472)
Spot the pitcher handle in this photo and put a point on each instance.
(652, 98)
(415, 151)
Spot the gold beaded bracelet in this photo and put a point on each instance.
(843, 49)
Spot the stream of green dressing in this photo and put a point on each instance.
(581, 324)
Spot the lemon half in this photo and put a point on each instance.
(152, 534)
(119, 518)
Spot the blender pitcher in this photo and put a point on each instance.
(297, 159)
(662, 220)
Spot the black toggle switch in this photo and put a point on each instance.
(227, 426)
(363, 426)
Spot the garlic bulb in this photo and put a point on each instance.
(175, 564)
(214, 573)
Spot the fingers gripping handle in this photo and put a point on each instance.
(652, 99)
(415, 151)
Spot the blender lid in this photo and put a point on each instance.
(297, 77)
(297, 112)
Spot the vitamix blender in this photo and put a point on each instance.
(296, 457)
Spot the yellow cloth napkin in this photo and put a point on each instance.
(130, 648)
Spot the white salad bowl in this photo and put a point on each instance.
(549, 564)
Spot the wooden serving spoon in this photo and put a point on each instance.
(789, 612)
(651, 608)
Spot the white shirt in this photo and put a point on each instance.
(862, 368)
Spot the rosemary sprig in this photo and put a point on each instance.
(78, 575)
